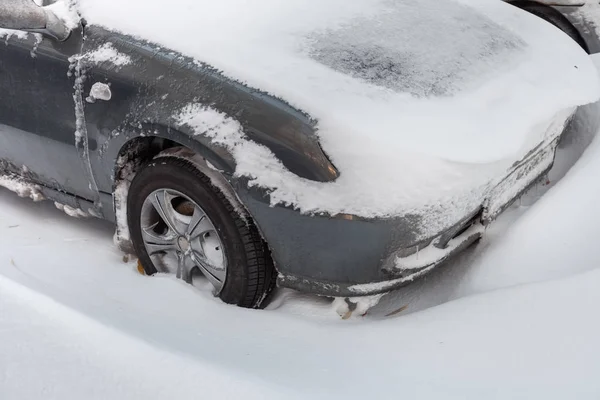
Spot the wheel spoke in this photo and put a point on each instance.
(199, 224)
(165, 260)
(157, 243)
(159, 248)
(161, 201)
(214, 275)
(182, 237)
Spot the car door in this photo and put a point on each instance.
(38, 121)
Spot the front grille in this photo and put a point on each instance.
(459, 229)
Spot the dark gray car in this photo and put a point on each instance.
(99, 139)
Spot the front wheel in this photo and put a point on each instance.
(181, 224)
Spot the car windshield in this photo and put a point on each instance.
(407, 48)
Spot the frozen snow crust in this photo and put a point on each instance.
(421, 105)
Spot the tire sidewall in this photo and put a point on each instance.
(167, 173)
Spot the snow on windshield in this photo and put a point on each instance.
(408, 94)
(374, 49)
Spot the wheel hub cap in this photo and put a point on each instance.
(183, 244)
(181, 239)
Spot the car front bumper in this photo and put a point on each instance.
(348, 256)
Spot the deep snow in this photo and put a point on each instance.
(78, 322)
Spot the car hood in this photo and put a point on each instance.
(410, 96)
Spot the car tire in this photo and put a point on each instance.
(249, 275)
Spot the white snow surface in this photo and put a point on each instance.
(107, 53)
(433, 255)
(22, 188)
(78, 323)
(70, 211)
(8, 33)
(412, 108)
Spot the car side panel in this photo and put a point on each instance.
(153, 88)
(37, 113)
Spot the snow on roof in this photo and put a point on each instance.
(408, 94)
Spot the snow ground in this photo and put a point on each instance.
(513, 318)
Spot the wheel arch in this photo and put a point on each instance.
(146, 146)
(213, 161)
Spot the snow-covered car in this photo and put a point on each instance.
(340, 148)
(579, 19)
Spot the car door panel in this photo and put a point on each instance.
(37, 112)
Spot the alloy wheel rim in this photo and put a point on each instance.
(181, 239)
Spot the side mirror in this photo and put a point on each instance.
(25, 15)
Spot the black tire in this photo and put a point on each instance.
(250, 272)
(554, 17)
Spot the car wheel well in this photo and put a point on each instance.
(134, 154)
(552, 16)
(138, 151)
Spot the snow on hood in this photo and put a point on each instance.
(407, 93)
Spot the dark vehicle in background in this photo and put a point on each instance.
(567, 15)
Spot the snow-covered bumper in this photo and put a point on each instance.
(350, 256)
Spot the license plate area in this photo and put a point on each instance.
(523, 176)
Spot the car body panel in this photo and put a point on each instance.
(149, 92)
(38, 123)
